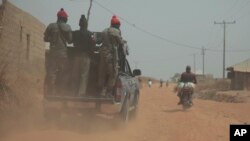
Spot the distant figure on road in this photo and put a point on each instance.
(161, 82)
(140, 82)
(167, 83)
(149, 83)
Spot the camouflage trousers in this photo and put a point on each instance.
(108, 72)
(56, 67)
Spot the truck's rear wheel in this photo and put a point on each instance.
(133, 113)
(124, 114)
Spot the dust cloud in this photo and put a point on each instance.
(159, 118)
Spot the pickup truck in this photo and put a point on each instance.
(125, 96)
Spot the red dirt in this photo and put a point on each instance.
(159, 119)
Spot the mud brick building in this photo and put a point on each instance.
(240, 75)
(21, 48)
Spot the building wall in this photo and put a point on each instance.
(240, 81)
(21, 48)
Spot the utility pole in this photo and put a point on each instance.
(203, 61)
(224, 44)
(194, 63)
(88, 14)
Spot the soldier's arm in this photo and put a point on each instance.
(69, 35)
(125, 46)
(181, 79)
(117, 35)
(120, 40)
(195, 80)
(66, 32)
(47, 36)
(91, 39)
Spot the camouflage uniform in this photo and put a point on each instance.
(108, 69)
(57, 34)
(122, 53)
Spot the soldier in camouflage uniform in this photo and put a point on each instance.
(58, 35)
(108, 69)
(122, 53)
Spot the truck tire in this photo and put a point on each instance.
(124, 114)
(133, 113)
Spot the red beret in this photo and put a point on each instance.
(62, 13)
(115, 20)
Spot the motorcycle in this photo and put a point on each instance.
(186, 95)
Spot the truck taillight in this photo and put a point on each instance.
(118, 84)
(118, 88)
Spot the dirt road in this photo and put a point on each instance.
(159, 119)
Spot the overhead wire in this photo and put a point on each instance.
(145, 31)
(242, 16)
(162, 38)
(244, 5)
(166, 58)
(231, 8)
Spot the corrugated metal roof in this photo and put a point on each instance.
(242, 66)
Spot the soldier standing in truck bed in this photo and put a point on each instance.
(58, 34)
(108, 69)
(83, 48)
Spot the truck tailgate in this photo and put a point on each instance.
(80, 98)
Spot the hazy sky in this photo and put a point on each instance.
(161, 32)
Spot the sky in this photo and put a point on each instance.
(164, 35)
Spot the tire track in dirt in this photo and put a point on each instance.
(159, 118)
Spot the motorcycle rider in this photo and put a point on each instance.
(187, 76)
(108, 69)
(150, 82)
(58, 34)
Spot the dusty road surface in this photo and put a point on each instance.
(159, 119)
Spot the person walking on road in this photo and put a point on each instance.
(150, 83)
(161, 83)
